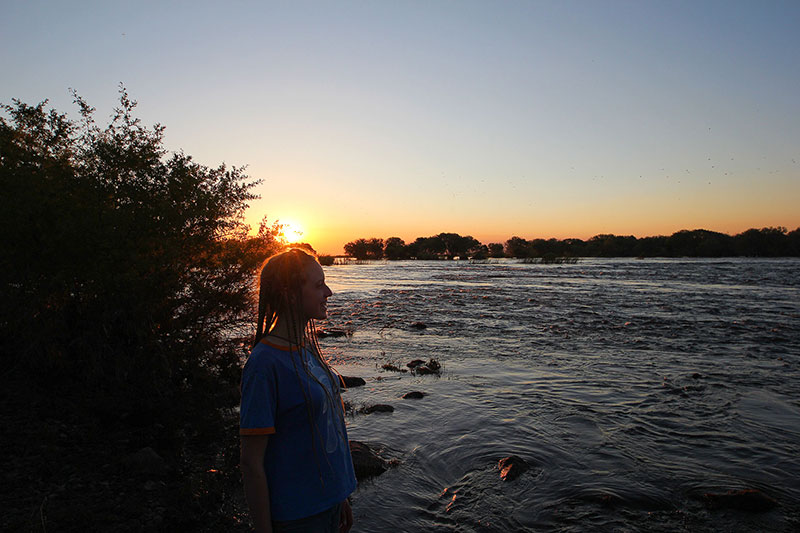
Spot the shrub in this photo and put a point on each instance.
(126, 272)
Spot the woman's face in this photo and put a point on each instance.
(314, 293)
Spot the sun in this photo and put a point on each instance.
(292, 231)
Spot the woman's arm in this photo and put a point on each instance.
(346, 517)
(254, 479)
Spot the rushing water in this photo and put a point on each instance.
(632, 387)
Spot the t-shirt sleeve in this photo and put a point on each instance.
(257, 411)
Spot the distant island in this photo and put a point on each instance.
(764, 242)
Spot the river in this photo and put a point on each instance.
(631, 387)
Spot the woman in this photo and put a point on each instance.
(295, 457)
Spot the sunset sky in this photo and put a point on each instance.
(494, 118)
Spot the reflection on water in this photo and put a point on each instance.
(632, 387)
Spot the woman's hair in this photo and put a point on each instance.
(280, 285)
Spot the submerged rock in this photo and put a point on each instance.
(413, 395)
(418, 325)
(378, 408)
(511, 467)
(633, 500)
(351, 381)
(418, 366)
(333, 332)
(393, 368)
(366, 462)
(751, 500)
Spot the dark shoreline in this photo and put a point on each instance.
(66, 472)
(763, 242)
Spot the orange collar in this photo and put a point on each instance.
(280, 347)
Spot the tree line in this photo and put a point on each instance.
(763, 242)
(441, 246)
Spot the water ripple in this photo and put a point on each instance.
(631, 387)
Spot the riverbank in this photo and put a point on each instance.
(65, 471)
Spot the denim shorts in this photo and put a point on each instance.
(324, 522)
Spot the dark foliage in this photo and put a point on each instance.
(395, 248)
(441, 246)
(765, 242)
(326, 260)
(126, 276)
(365, 248)
(496, 250)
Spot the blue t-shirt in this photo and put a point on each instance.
(309, 468)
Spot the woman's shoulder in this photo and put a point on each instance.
(269, 352)
(262, 355)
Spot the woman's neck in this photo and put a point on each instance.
(289, 333)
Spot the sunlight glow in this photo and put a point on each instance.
(292, 231)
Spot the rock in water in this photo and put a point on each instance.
(751, 500)
(511, 467)
(333, 332)
(420, 367)
(378, 408)
(414, 395)
(350, 381)
(419, 325)
(366, 462)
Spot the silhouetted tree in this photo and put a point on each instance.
(611, 246)
(126, 271)
(126, 281)
(764, 242)
(394, 248)
(374, 248)
(574, 247)
(793, 243)
(356, 249)
(479, 252)
(496, 250)
(699, 243)
(457, 246)
(428, 248)
(517, 247)
(365, 248)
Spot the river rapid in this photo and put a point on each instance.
(631, 387)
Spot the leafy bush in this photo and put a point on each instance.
(126, 272)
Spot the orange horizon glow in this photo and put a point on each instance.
(329, 238)
(332, 215)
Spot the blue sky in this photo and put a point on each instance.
(537, 119)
